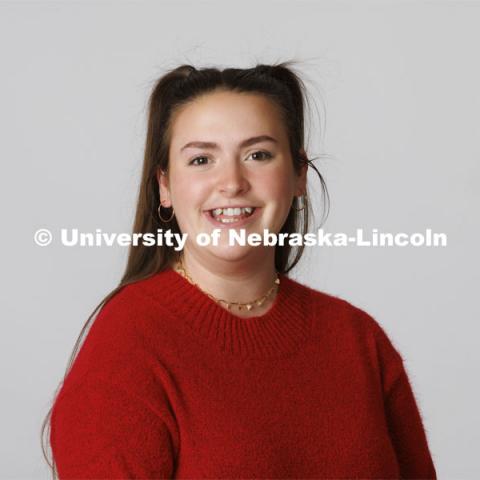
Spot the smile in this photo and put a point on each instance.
(236, 216)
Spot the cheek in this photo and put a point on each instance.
(189, 193)
(279, 187)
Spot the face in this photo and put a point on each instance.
(243, 160)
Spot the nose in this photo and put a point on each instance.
(232, 179)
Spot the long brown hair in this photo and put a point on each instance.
(176, 88)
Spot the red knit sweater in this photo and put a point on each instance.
(168, 384)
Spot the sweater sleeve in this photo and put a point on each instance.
(403, 417)
(112, 418)
(101, 431)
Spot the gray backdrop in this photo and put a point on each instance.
(400, 84)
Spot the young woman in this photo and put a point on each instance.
(209, 361)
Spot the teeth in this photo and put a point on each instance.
(232, 211)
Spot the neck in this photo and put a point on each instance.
(234, 281)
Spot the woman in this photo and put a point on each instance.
(210, 362)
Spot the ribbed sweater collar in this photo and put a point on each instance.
(283, 329)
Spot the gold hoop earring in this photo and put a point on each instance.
(304, 203)
(160, 214)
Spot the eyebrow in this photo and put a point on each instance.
(245, 143)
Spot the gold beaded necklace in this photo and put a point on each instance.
(249, 305)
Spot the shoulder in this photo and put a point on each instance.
(135, 317)
(136, 300)
(126, 329)
(344, 328)
(330, 305)
(338, 316)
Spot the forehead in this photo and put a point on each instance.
(228, 116)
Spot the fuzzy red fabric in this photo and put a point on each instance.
(168, 384)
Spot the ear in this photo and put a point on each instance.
(163, 187)
(301, 180)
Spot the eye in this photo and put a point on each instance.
(192, 162)
(266, 155)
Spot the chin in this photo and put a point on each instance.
(234, 253)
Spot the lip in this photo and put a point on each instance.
(231, 206)
(240, 223)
